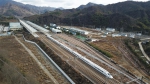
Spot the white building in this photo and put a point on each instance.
(56, 30)
(45, 26)
(124, 34)
(52, 25)
(98, 29)
(132, 36)
(104, 36)
(93, 40)
(139, 34)
(58, 27)
(6, 29)
(106, 33)
(78, 31)
(110, 29)
(1, 28)
(116, 35)
(15, 26)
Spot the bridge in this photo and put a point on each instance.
(29, 28)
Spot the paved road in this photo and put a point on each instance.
(145, 55)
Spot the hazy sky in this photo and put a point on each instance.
(67, 4)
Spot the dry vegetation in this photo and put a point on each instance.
(73, 74)
(20, 67)
(106, 45)
(12, 69)
(120, 53)
(25, 68)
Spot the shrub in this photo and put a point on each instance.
(135, 53)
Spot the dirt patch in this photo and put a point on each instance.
(45, 63)
(121, 54)
(18, 58)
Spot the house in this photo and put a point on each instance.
(58, 27)
(124, 34)
(93, 40)
(15, 26)
(57, 31)
(139, 34)
(98, 29)
(45, 26)
(116, 35)
(110, 29)
(75, 30)
(6, 29)
(103, 36)
(132, 36)
(1, 28)
(52, 25)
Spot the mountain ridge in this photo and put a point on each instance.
(128, 15)
(28, 9)
(88, 5)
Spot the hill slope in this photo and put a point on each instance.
(88, 5)
(13, 8)
(129, 15)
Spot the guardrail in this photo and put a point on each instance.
(65, 75)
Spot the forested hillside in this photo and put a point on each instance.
(129, 15)
(13, 8)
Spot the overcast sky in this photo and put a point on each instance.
(68, 4)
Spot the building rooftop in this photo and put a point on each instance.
(56, 30)
(6, 29)
(14, 25)
(79, 30)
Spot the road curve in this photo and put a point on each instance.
(145, 55)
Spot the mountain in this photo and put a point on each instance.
(13, 8)
(87, 5)
(2, 2)
(130, 15)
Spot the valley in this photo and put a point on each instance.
(90, 44)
